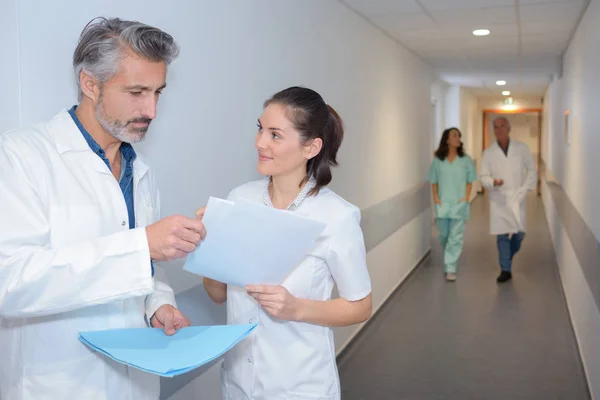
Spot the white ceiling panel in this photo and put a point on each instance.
(479, 17)
(573, 2)
(450, 63)
(491, 42)
(544, 39)
(563, 26)
(437, 5)
(524, 48)
(549, 12)
(550, 49)
(373, 8)
(545, 51)
(398, 23)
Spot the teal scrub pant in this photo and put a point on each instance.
(452, 237)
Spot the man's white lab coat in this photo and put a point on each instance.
(507, 202)
(70, 263)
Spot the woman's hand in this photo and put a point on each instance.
(437, 201)
(464, 200)
(276, 301)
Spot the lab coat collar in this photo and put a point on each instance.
(497, 147)
(68, 138)
(66, 134)
(308, 186)
(139, 168)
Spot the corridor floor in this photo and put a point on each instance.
(474, 338)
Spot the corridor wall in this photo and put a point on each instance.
(571, 190)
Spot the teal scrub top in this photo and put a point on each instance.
(452, 179)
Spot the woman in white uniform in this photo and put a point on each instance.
(291, 354)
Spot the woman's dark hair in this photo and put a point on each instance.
(313, 118)
(442, 150)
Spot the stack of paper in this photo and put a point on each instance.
(248, 243)
(151, 350)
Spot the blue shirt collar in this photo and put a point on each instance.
(126, 148)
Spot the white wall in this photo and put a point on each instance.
(496, 103)
(452, 107)
(458, 107)
(438, 97)
(575, 167)
(235, 54)
(9, 67)
(468, 112)
(471, 125)
(553, 143)
(580, 301)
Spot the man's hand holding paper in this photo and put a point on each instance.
(174, 237)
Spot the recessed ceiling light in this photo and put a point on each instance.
(506, 93)
(500, 83)
(481, 32)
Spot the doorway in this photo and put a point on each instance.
(526, 126)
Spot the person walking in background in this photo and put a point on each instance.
(508, 173)
(451, 174)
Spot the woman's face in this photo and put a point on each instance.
(280, 151)
(454, 139)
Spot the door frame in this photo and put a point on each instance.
(539, 112)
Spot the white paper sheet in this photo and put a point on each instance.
(248, 243)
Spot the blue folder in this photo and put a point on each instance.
(151, 350)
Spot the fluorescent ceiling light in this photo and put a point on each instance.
(500, 83)
(481, 32)
(506, 93)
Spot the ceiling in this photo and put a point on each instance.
(524, 47)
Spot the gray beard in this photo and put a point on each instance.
(117, 129)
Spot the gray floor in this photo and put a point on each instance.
(472, 339)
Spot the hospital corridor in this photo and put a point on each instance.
(300, 199)
(473, 339)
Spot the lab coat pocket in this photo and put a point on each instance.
(517, 167)
(82, 378)
(145, 215)
(498, 198)
(74, 223)
(230, 391)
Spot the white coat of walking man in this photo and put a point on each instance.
(508, 173)
(80, 227)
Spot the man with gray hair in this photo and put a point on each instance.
(81, 229)
(508, 173)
